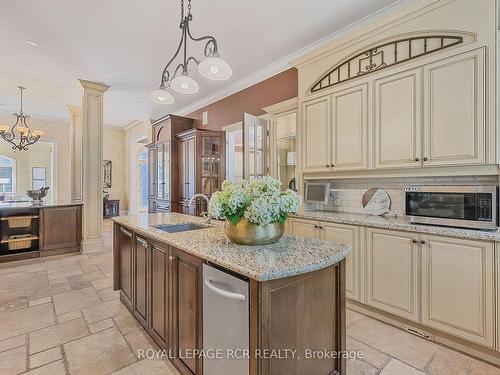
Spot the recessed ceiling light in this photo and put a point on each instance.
(31, 43)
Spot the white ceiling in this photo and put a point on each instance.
(125, 44)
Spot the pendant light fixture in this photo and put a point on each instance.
(20, 135)
(212, 67)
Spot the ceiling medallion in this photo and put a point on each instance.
(20, 135)
(212, 67)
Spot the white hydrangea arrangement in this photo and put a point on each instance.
(260, 201)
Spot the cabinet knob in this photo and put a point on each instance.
(414, 241)
(423, 242)
(417, 159)
(328, 165)
(321, 227)
(426, 158)
(170, 258)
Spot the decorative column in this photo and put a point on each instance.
(75, 151)
(92, 134)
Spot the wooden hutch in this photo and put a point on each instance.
(183, 161)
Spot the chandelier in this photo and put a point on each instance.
(212, 67)
(20, 135)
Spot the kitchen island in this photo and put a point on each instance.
(219, 308)
(32, 230)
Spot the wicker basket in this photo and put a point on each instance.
(19, 241)
(19, 221)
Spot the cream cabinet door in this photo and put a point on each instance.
(457, 287)
(398, 120)
(497, 250)
(349, 235)
(304, 228)
(350, 129)
(316, 131)
(454, 110)
(392, 272)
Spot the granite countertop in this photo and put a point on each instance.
(12, 205)
(397, 224)
(292, 255)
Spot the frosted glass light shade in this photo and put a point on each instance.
(37, 133)
(184, 84)
(22, 129)
(161, 97)
(215, 68)
(4, 128)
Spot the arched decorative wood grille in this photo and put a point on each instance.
(383, 56)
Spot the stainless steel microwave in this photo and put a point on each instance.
(472, 207)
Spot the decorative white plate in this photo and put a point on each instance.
(376, 201)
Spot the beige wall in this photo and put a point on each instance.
(38, 155)
(114, 150)
(57, 132)
(138, 131)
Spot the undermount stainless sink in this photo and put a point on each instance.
(183, 227)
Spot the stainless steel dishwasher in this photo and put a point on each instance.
(225, 323)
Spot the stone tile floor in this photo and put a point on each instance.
(59, 315)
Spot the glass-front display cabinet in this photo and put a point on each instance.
(283, 143)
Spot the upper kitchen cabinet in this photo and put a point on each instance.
(316, 124)
(349, 129)
(454, 110)
(397, 123)
(283, 142)
(407, 101)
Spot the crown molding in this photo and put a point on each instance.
(132, 125)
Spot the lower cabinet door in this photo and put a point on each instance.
(125, 269)
(159, 295)
(187, 295)
(303, 227)
(392, 272)
(349, 235)
(457, 287)
(141, 286)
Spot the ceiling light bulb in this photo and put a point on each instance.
(184, 84)
(161, 96)
(215, 68)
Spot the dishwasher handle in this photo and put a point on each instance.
(222, 292)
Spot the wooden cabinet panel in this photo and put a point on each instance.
(457, 287)
(316, 134)
(305, 228)
(304, 312)
(61, 228)
(454, 110)
(349, 132)
(187, 296)
(349, 235)
(392, 272)
(141, 282)
(159, 300)
(125, 262)
(398, 121)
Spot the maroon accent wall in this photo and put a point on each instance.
(229, 110)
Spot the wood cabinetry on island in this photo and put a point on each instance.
(286, 312)
(32, 231)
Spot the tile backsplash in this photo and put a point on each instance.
(346, 194)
